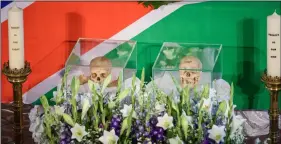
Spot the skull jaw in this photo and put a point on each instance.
(189, 82)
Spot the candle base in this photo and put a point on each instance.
(17, 77)
(273, 84)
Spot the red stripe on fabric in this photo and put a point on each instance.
(51, 29)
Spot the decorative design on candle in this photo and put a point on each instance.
(273, 45)
(16, 39)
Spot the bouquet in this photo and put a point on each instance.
(139, 114)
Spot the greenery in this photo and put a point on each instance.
(155, 4)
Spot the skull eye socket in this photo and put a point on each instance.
(94, 75)
(188, 74)
(103, 75)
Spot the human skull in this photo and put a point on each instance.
(100, 68)
(190, 77)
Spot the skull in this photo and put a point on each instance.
(190, 77)
(100, 68)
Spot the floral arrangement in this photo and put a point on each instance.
(140, 114)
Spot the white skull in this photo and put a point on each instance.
(100, 68)
(190, 77)
(98, 74)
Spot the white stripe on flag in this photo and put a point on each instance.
(125, 34)
(4, 11)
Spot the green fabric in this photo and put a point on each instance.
(239, 26)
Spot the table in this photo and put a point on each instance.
(256, 125)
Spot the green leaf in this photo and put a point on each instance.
(222, 107)
(106, 83)
(75, 84)
(176, 83)
(123, 94)
(154, 4)
(231, 93)
(45, 103)
(134, 80)
(68, 119)
(92, 87)
(142, 78)
(124, 125)
(58, 97)
(205, 93)
(119, 82)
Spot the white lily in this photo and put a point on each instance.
(126, 111)
(217, 133)
(109, 137)
(237, 122)
(165, 122)
(59, 110)
(207, 105)
(78, 132)
(175, 140)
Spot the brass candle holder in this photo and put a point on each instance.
(17, 77)
(273, 84)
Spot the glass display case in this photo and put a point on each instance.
(189, 63)
(95, 59)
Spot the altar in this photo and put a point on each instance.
(113, 91)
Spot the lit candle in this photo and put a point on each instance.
(273, 45)
(16, 40)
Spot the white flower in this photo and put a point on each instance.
(186, 120)
(175, 140)
(165, 122)
(78, 132)
(207, 105)
(35, 112)
(237, 122)
(85, 107)
(228, 109)
(109, 137)
(126, 111)
(217, 133)
(36, 126)
(212, 93)
(59, 110)
(159, 107)
(223, 89)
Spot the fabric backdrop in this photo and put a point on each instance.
(51, 29)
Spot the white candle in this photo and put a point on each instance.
(16, 40)
(273, 45)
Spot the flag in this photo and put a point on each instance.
(52, 28)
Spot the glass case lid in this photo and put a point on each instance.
(85, 49)
(173, 56)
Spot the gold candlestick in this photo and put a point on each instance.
(17, 77)
(273, 84)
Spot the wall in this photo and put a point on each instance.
(239, 26)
